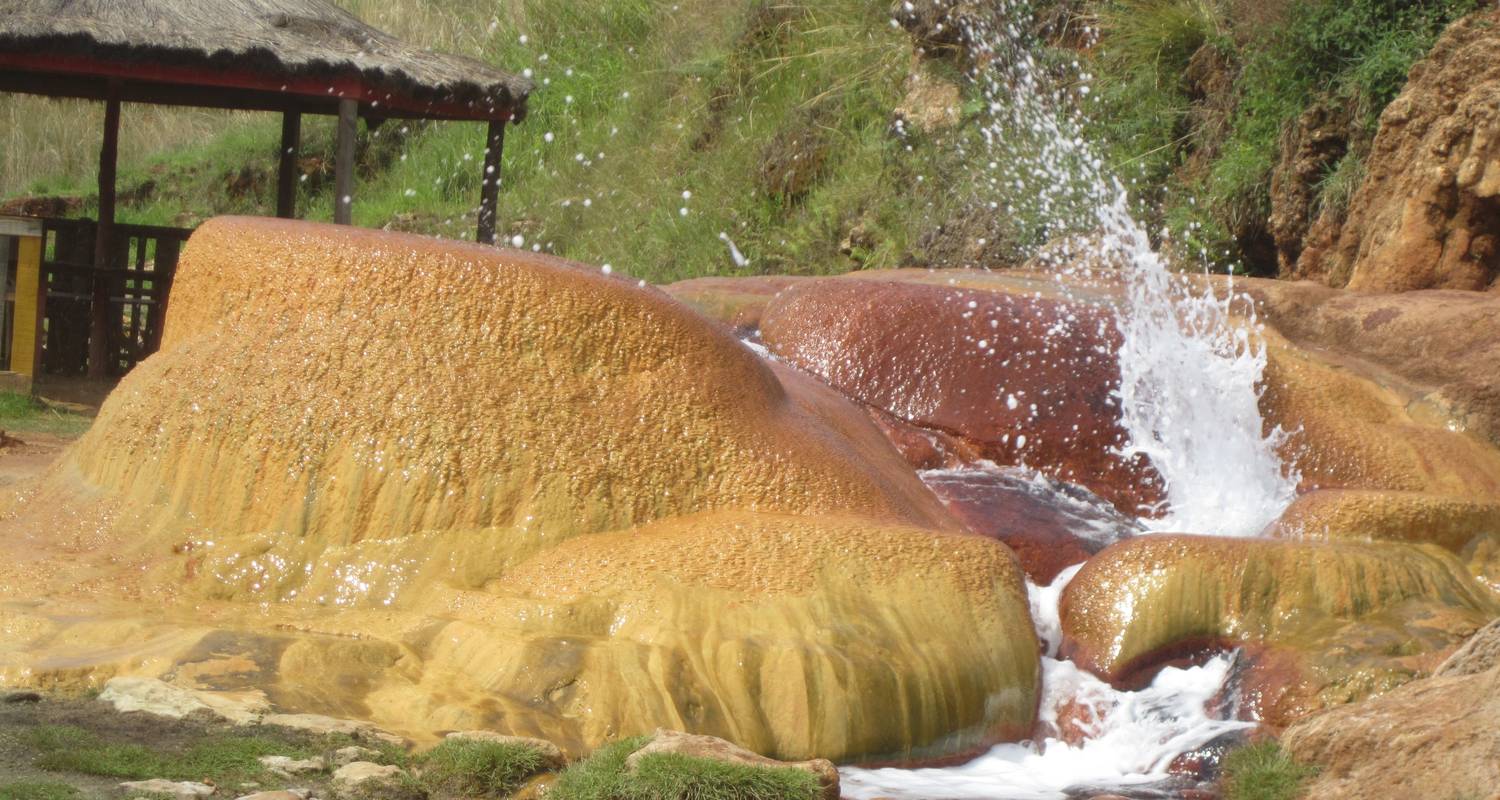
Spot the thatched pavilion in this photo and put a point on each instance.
(294, 57)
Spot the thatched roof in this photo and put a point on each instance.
(307, 48)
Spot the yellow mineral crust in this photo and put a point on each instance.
(1155, 595)
(375, 476)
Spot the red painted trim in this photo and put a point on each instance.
(372, 97)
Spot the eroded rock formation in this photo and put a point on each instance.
(1427, 215)
(439, 487)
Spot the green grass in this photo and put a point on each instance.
(223, 759)
(478, 769)
(37, 790)
(668, 776)
(1263, 771)
(23, 413)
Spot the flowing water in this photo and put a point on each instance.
(1189, 399)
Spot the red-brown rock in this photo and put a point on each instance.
(1049, 525)
(1024, 379)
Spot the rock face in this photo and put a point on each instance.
(1431, 738)
(443, 487)
(1428, 213)
(1023, 379)
(1356, 617)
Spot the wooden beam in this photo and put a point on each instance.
(489, 187)
(286, 173)
(343, 168)
(109, 154)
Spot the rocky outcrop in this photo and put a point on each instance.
(1022, 378)
(1431, 738)
(1309, 151)
(1435, 350)
(446, 487)
(1427, 215)
(1357, 618)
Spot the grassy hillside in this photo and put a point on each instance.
(660, 129)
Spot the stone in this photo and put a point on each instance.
(322, 725)
(352, 753)
(287, 766)
(1427, 215)
(152, 696)
(1022, 378)
(694, 746)
(182, 790)
(363, 780)
(1430, 738)
(1357, 618)
(551, 753)
(529, 497)
(279, 794)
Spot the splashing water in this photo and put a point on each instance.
(1132, 737)
(1189, 397)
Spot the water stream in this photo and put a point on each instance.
(1191, 378)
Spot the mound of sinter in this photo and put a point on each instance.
(440, 486)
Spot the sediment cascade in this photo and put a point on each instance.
(441, 486)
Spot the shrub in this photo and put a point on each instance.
(1263, 771)
(669, 776)
(473, 768)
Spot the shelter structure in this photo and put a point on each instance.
(292, 57)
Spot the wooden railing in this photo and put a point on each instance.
(137, 282)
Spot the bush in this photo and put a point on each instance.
(669, 776)
(1263, 771)
(473, 768)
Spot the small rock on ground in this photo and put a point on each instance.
(284, 794)
(696, 746)
(183, 790)
(165, 700)
(287, 766)
(370, 781)
(319, 725)
(353, 753)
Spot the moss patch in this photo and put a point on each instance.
(1263, 771)
(475, 769)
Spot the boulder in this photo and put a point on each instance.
(1427, 215)
(429, 486)
(1022, 378)
(1355, 618)
(1430, 738)
(152, 696)
(694, 746)
(1481, 653)
(363, 780)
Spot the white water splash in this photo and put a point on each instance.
(1132, 737)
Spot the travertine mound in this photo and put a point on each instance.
(1022, 378)
(1427, 215)
(1352, 612)
(1430, 738)
(375, 476)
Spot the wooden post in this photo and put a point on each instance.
(489, 188)
(343, 169)
(286, 175)
(104, 239)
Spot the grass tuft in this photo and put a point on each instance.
(1263, 771)
(478, 769)
(669, 776)
(223, 759)
(37, 790)
(23, 413)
